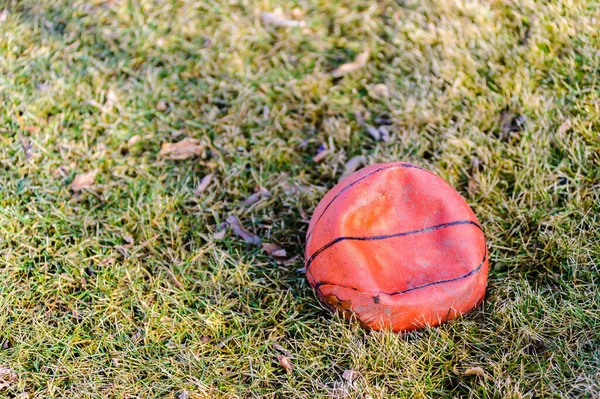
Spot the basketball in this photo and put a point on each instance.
(396, 247)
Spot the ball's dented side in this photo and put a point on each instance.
(398, 248)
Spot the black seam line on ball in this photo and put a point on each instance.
(399, 166)
(477, 269)
(386, 236)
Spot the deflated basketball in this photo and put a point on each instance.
(398, 248)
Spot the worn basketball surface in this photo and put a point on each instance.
(398, 248)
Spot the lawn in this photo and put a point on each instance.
(130, 283)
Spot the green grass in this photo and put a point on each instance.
(179, 311)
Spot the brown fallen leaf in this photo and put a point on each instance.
(360, 119)
(106, 262)
(83, 181)
(124, 248)
(206, 180)
(358, 63)
(297, 13)
(129, 240)
(322, 152)
(111, 99)
(8, 377)
(476, 165)
(286, 363)
(374, 132)
(254, 198)
(61, 171)
(161, 106)
(383, 120)
(354, 163)
(137, 336)
(350, 375)
(289, 261)
(240, 231)
(282, 350)
(186, 148)
(511, 124)
(269, 18)
(385, 134)
(564, 127)
(219, 235)
(270, 248)
(478, 371)
(274, 250)
(472, 187)
(303, 215)
(381, 90)
(280, 253)
(26, 147)
(76, 315)
(133, 140)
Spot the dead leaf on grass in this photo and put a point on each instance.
(83, 181)
(31, 129)
(124, 248)
(269, 18)
(350, 375)
(381, 90)
(161, 106)
(133, 140)
(353, 164)
(285, 363)
(383, 120)
(274, 250)
(360, 119)
(270, 248)
(111, 100)
(478, 371)
(206, 180)
(322, 152)
(26, 144)
(564, 127)
(289, 261)
(240, 231)
(8, 377)
(282, 350)
(106, 262)
(257, 196)
(511, 124)
(205, 339)
(280, 254)
(374, 132)
(385, 134)
(219, 235)
(184, 149)
(472, 187)
(358, 63)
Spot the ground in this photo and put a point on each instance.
(120, 289)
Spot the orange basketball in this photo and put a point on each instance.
(398, 248)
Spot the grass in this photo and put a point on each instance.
(100, 85)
